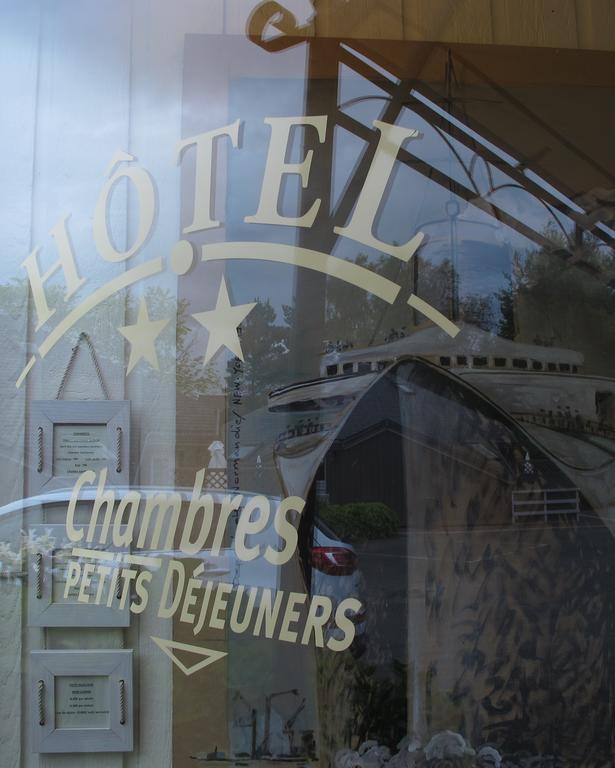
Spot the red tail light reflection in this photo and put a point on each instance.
(334, 561)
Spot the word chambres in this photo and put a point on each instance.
(120, 545)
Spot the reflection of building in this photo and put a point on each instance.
(472, 348)
(200, 421)
(569, 413)
(478, 601)
(537, 384)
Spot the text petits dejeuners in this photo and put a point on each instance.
(154, 539)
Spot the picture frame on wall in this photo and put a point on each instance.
(82, 701)
(68, 437)
(53, 595)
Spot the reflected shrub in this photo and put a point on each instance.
(360, 521)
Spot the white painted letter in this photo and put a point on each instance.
(345, 623)
(73, 575)
(204, 173)
(291, 615)
(247, 527)
(144, 185)
(165, 611)
(361, 225)
(287, 530)
(198, 503)
(76, 534)
(66, 262)
(277, 168)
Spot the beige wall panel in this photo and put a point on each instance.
(83, 100)
(550, 23)
(17, 136)
(451, 21)
(596, 22)
(364, 18)
(159, 39)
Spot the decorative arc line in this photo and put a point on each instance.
(305, 257)
(25, 371)
(432, 313)
(147, 269)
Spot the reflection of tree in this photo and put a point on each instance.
(357, 703)
(12, 560)
(174, 346)
(192, 378)
(505, 296)
(365, 319)
(13, 297)
(380, 704)
(352, 315)
(265, 349)
(548, 672)
(568, 303)
(547, 299)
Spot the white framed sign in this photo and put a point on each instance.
(67, 437)
(82, 701)
(56, 599)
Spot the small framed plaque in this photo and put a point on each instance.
(55, 584)
(68, 437)
(82, 701)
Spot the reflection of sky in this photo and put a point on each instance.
(86, 109)
(489, 182)
(252, 100)
(413, 202)
(359, 98)
(347, 151)
(80, 122)
(481, 140)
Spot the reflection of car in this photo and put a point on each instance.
(335, 574)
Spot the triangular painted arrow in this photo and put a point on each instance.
(167, 647)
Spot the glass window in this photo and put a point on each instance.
(308, 424)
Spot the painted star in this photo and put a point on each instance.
(222, 323)
(142, 336)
